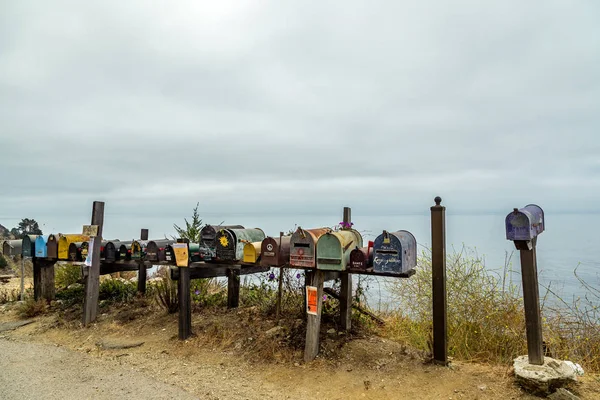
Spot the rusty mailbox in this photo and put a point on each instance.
(304, 245)
(525, 224)
(12, 248)
(275, 252)
(395, 252)
(65, 240)
(52, 247)
(28, 246)
(252, 252)
(334, 248)
(41, 250)
(230, 242)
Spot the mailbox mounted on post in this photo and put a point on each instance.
(12, 248)
(125, 251)
(230, 242)
(252, 252)
(334, 248)
(28, 246)
(41, 250)
(137, 249)
(65, 241)
(275, 252)
(524, 225)
(395, 252)
(52, 247)
(208, 234)
(154, 248)
(111, 253)
(304, 245)
(78, 251)
(361, 258)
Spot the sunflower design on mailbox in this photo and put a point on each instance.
(224, 241)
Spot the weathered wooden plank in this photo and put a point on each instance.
(141, 283)
(233, 288)
(346, 286)
(531, 301)
(217, 271)
(313, 323)
(334, 294)
(185, 303)
(43, 279)
(92, 282)
(438, 265)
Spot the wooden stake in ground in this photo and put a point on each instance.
(92, 282)
(346, 286)
(141, 284)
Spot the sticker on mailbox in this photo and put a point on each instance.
(312, 300)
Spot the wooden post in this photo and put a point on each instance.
(438, 266)
(185, 306)
(23, 277)
(280, 284)
(531, 300)
(233, 288)
(313, 322)
(92, 283)
(141, 284)
(346, 287)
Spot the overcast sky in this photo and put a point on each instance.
(297, 106)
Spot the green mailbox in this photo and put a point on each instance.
(334, 248)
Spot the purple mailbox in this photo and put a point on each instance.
(525, 224)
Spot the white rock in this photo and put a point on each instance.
(542, 379)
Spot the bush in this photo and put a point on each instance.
(3, 262)
(31, 308)
(67, 274)
(208, 292)
(166, 291)
(72, 295)
(117, 290)
(9, 295)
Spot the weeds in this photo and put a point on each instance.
(31, 308)
(9, 295)
(166, 291)
(67, 274)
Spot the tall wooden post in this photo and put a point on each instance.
(92, 283)
(280, 283)
(43, 279)
(185, 303)
(438, 266)
(313, 322)
(233, 288)
(346, 287)
(531, 300)
(141, 284)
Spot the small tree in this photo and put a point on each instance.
(192, 229)
(27, 226)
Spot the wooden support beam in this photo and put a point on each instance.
(531, 300)
(334, 294)
(313, 323)
(346, 287)
(438, 265)
(213, 271)
(141, 284)
(43, 279)
(233, 288)
(92, 282)
(185, 303)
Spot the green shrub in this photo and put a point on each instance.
(208, 292)
(117, 290)
(66, 275)
(72, 295)
(166, 291)
(31, 308)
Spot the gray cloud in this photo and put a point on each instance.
(299, 107)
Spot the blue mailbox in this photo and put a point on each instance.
(395, 252)
(41, 250)
(525, 224)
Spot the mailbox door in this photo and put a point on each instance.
(41, 250)
(409, 250)
(252, 252)
(274, 252)
(303, 245)
(246, 236)
(225, 245)
(125, 251)
(6, 248)
(395, 252)
(169, 254)
(28, 245)
(151, 251)
(72, 252)
(359, 259)
(52, 247)
(136, 249)
(110, 251)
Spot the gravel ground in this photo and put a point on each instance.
(42, 371)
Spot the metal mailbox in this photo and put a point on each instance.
(125, 251)
(196, 253)
(111, 251)
(12, 248)
(169, 254)
(52, 247)
(275, 252)
(208, 234)
(155, 249)
(334, 248)
(65, 240)
(41, 250)
(230, 242)
(137, 247)
(525, 223)
(28, 246)
(252, 252)
(361, 259)
(303, 246)
(395, 252)
(78, 251)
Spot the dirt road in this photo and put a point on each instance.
(43, 371)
